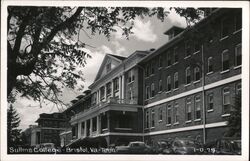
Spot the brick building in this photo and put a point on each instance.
(191, 81)
(48, 129)
(185, 88)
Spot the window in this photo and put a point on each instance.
(188, 110)
(94, 124)
(169, 114)
(147, 71)
(102, 93)
(152, 90)
(225, 60)
(169, 59)
(152, 67)
(176, 82)
(238, 88)
(238, 55)
(116, 84)
(108, 86)
(176, 58)
(187, 49)
(130, 97)
(93, 98)
(226, 101)
(196, 47)
(225, 24)
(188, 75)
(238, 21)
(197, 74)
(152, 118)
(147, 92)
(160, 85)
(131, 76)
(147, 119)
(176, 112)
(210, 101)
(169, 83)
(160, 113)
(210, 65)
(197, 107)
(160, 61)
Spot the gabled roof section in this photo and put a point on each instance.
(114, 61)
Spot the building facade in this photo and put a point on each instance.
(185, 88)
(191, 82)
(48, 129)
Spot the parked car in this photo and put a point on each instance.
(184, 146)
(162, 147)
(224, 146)
(136, 147)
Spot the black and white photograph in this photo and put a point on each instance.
(117, 79)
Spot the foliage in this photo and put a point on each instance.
(13, 122)
(45, 51)
(234, 120)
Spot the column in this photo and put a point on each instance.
(79, 130)
(85, 128)
(120, 87)
(98, 125)
(112, 88)
(91, 124)
(123, 86)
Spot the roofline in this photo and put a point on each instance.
(177, 37)
(137, 52)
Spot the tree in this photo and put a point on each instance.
(44, 47)
(13, 132)
(234, 120)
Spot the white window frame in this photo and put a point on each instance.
(197, 108)
(210, 102)
(176, 79)
(196, 70)
(169, 83)
(224, 94)
(152, 118)
(169, 114)
(152, 92)
(160, 113)
(209, 62)
(176, 113)
(160, 86)
(188, 109)
(188, 74)
(236, 54)
(222, 60)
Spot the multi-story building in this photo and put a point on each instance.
(115, 112)
(185, 88)
(48, 129)
(191, 81)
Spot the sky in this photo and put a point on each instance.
(148, 33)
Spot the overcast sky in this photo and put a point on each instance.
(148, 33)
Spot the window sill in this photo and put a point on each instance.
(210, 73)
(175, 63)
(225, 115)
(152, 127)
(168, 125)
(189, 121)
(187, 57)
(225, 71)
(160, 92)
(196, 52)
(159, 68)
(168, 66)
(177, 123)
(196, 120)
(198, 81)
(236, 67)
(168, 92)
(175, 89)
(224, 38)
(187, 85)
(235, 32)
(130, 82)
(152, 75)
(160, 121)
(210, 110)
